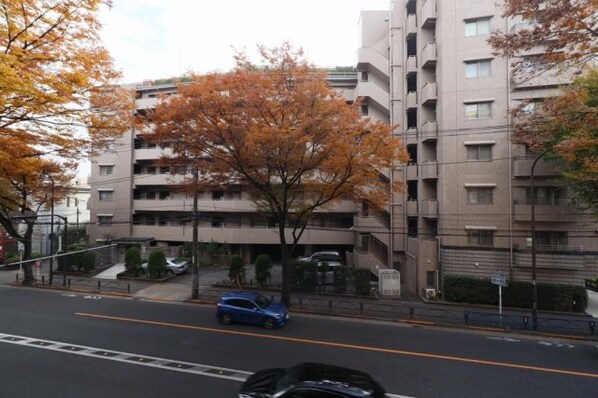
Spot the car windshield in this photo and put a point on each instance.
(288, 379)
(262, 301)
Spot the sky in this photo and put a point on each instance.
(154, 39)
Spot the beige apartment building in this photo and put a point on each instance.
(425, 66)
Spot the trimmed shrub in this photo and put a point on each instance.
(306, 276)
(362, 281)
(89, 261)
(263, 266)
(133, 261)
(551, 297)
(340, 279)
(156, 264)
(236, 270)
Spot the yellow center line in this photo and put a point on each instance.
(344, 345)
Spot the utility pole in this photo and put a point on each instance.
(533, 222)
(51, 273)
(195, 284)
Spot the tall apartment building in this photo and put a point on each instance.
(136, 200)
(425, 66)
(466, 210)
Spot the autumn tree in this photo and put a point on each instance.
(56, 87)
(29, 184)
(279, 131)
(557, 37)
(554, 33)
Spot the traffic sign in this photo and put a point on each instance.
(500, 278)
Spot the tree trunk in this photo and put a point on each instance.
(287, 275)
(28, 278)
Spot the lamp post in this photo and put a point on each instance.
(195, 283)
(533, 222)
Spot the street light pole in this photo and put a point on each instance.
(195, 284)
(51, 273)
(533, 222)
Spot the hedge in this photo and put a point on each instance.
(551, 296)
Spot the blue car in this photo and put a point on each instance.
(251, 307)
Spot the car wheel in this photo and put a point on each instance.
(226, 319)
(269, 323)
(169, 273)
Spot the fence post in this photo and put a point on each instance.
(525, 322)
(329, 305)
(411, 311)
(592, 327)
(99, 286)
(466, 316)
(128, 288)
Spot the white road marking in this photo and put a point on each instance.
(127, 357)
(556, 343)
(135, 359)
(501, 338)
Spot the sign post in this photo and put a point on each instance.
(501, 279)
(38, 266)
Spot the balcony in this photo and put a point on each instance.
(429, 14)
(527, 78)
(146, 103)
(157, 179)
(411, 100)
(428, 56)
(148, 154)
(241, 235)
(410, 26)
(412, 208)
(543, 213)
(429, 94)
(522, 167)
(411, 172)
(429, 170)
(429, 208)
(411, 65)
(429, 131)
(367, 57)
(374, 92)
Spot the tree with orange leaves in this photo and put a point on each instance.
(558, 36)
(279, 131)
(56, 82)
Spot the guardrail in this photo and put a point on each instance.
(575, 325)
(93, 286)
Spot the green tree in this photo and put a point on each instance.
(133, 260)
(156, 264)
(263, 268)
(236, 271)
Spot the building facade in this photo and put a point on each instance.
(465, 208)
(426, 66)
(133, 197)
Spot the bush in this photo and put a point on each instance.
(551, 297)
(236, 270)
(340, 279)
(362, 281)
(89, 261)
(156, 264)
(263, 265)
(133, 260)
(306, 275)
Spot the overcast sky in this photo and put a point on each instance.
(153, 39)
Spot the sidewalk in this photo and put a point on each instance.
(179, 288)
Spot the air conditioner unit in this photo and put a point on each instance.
(429, 293)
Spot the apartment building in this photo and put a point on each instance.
(426, 66)
(135, 199)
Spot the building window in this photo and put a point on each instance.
(106, 170)
(104, 220)
(478, 110)
(365, 109)
(105, 196)
(544, 196)
(479, 195)
(217, 222)
(480, 238)
(479, 152)
(430, 278)
(480, 68)
(164, 195)
(477, 27)
(217, 195)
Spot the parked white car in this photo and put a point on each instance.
(174, 266)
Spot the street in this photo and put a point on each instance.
(60, 344)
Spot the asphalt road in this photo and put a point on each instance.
(59, 344)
